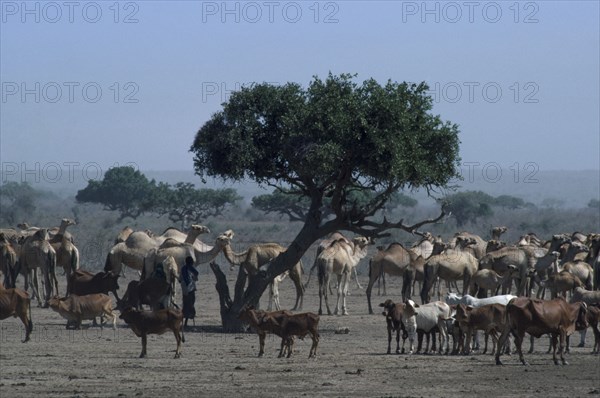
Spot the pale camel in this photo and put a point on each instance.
(256, 256)
(36, 253)
(488, 279)
(8, 262)
(498, 231)
(339, 258)
(451, 265)
(477, 249)
(324, 244)
(180, 250)
(131, 252)
(57, 233)
(123, 235)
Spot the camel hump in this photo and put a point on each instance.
(170, 242)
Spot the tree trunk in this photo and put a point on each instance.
(258, 283)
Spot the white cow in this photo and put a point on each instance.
(454, 299)
(426, 317)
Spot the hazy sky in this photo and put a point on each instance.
(94, 84)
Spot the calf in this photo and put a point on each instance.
(16, 302)
(300, 325)
(265, 322)
(489, 318)
(144, 323)
(393, 317)
(77, 308)
(82, 283)
(426, 317)
(538, 317)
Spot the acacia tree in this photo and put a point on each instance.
(329, 140)
(468, 206)
(184, 202)
(123, 189)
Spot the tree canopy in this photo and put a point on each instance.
(17, 201)
(327, 141)
(123, 189)
(129, 191)
(327, 144)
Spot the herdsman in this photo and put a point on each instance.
(188, 278)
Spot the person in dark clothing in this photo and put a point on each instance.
(188, 278)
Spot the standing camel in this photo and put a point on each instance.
(322, 246)
(67, 254)
(37, 252)
(450, 265)
(256, 256)
(339, 258)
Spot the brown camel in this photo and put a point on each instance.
(256, 256)
(67, 254)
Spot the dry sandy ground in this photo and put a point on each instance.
(104, 363)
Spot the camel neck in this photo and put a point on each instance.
(233, 257)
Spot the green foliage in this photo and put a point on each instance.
(509, 202)
(122, 189)
(185, 203)
(128, 191)
(468, 206)
(354, 145)
(17, 201)
(594, 204)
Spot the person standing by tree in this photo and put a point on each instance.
(188, 278)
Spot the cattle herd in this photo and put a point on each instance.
(565, 267)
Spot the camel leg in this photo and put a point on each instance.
(299, 291)
(372, 278)
(325, 293)
(346, 282)
(339, 294)
(358, 286)
(144, 343)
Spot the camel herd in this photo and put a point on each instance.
(558, 264)
(561, 264)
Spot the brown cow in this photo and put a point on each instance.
(144, 323)
(300, 325)
(489, 318)
(16, 302)
(78, 308)
(538, 317)
(265, 322)
(151, 291)
(82, 283)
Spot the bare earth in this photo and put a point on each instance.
(104, 363)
